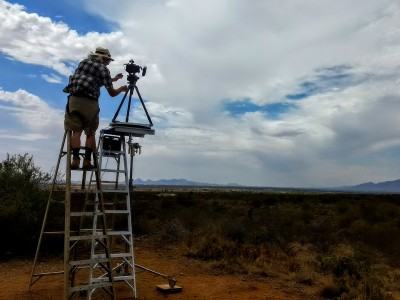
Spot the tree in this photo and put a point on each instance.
(22, 200)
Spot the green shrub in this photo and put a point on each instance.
(22, 201)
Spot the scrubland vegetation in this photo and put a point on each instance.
(346, 245)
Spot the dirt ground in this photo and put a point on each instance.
(198, 280)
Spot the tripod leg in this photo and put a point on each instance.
(128, 109)
(119, 107)
(144, 106)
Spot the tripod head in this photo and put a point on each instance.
(132, 70)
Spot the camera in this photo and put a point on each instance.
(133, 68)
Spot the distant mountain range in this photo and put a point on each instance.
(371, 187)
(368, 187)
(177, 182)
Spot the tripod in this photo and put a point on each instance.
(132, 79)
(127, 128)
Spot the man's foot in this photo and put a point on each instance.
(75, 163)
(87, 165)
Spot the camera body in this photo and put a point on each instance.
(133, 68)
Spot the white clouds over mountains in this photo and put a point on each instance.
(335, 63)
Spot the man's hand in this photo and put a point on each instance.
(123, 89)
(118, 77)
(115, 92)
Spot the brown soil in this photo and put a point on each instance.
(198, 279)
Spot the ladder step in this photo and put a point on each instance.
(86, 213)
(119, 233)
(98, 236)
(113, 255)
(88, 261)
(53, 232)
(92, 214)
(115, 278)
(108, 181)
(87, 170)
(84, 230)
(104, 283)
(116, 211)
(87, 237)
(112, 171)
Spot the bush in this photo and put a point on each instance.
(22, 201)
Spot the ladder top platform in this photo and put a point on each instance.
(123, 128)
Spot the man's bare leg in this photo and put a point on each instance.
(75, 147)
(91, 141)
(90, 146)
(76, 139)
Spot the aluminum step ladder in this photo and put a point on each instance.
(87, 259)
(118, 211)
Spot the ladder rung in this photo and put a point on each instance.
(113, 255)
(116, 211)
(87, 237)
(124, 277)
(88, 261)
(118, 233)
(98, 236)
(108, 181)
(104, 283)
(115, 278)
(80, 191)
(75, 231)
(53, 232)
(86, 213)
(113, 171)
(90, 230)
(87, 170)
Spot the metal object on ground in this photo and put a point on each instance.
(166, 288)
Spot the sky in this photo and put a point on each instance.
(263, 93)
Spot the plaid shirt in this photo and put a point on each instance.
(88, 78)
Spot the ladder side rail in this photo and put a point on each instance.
(104, 223)
(93, 239)
(129, 220)
(118, 165)
(67, 220)
(47, 210)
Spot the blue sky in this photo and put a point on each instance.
(273, 94)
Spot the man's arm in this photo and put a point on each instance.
(115, 92)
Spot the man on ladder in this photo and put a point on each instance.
(82, 111)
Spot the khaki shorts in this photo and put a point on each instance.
(83, 115)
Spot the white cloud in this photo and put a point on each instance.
(52, 78)
(30, 112)
(34, 39)
(264, 50)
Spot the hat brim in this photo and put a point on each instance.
(101, 55)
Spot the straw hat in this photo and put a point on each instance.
(102, 52)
